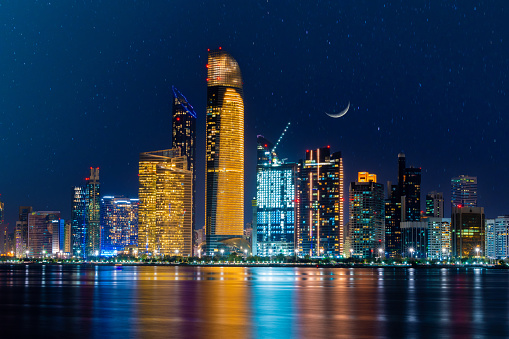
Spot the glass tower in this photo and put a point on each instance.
(165, 204)
(119, 224)
(320, 203)
(184, 135)
(44, 233)
(464, 191)
(224, 206)
(21, 231)
(276, 184)
(78, 228)
(93, 214)
(367, 207)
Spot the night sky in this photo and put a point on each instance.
(89, 84)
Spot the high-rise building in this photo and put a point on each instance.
(78, 226)
(439, 237)
(165, 204)
(435, 204)
(93, 213)
(320, 203)
(497, 237)
(367, 214)
(44, 233)
(402, 205)
(184, 135)
(276, 184)
(464, 191)
(67, 237)
(21, 231)
(2, 217)
(224, 207)
(468, 231)
(119, 224)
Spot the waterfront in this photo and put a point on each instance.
(252, 302)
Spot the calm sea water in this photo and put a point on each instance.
(258, 302)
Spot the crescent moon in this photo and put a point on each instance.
(340, 114)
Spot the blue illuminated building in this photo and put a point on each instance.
(119, 224)
(275, 197)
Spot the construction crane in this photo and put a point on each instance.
(281, 137)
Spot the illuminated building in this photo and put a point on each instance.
(67, 237)
(464, 191)
(467, 231)
(224, 181)
(119, 224)
(44, 233)
(276, 184)
(497, 237)
(435, 204)
(21, 231)
(78, 228)
(402, 205)
(93, 213)
(165, 204)
(320, 203)
(414, 239)
(439, 237)
(1, 212)
(367, 214)
(184, 135)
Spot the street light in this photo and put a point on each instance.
(321, 252)
(27, 253)
(411, 252)
(380, 253)
(176, 252)
(477, 249)
(199, 253)
(351, 252)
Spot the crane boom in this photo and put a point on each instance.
(281, 137)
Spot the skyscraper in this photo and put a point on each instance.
(367, 209)
(320, 203)
(468, 231)
(93, 213)
(184, 135)
(78, 227)
(119, 224)
(165, 204)
(402, 205)
(497, 237)
(21, 231)
(464, 191)
(435, 204)
(44, 233)
(276, 184)
(224, 207)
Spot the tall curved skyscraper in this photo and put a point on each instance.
(224, 207)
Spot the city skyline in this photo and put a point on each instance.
(419, 110)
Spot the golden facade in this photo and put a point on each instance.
(225, 148)
(165, 210)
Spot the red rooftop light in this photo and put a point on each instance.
(208, 49)
(207, 65)
(219, 47)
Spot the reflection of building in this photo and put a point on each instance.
(119, 224)
(497, 237)
(320, 203)
(464, 191)
(45, 232)
(467, 226)
(435, 204)
(21, 231)
(275, 199)
(184, 135)
(224, 181)
(165, 204)
(367, 209)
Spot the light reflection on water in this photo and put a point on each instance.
(257, 302)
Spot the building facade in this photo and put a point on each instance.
(439, 238)
(44, 233)
(165, 204)
(119, 224)
(21, 231)
(435, 204)
(276, 184)
(367, 217)
(224, 178)
(464, 191)
(93, 213)
(78, 226)
(320, 204)
(184, 135)
(497, 237)
(467, 232)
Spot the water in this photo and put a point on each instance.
(257, 302)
